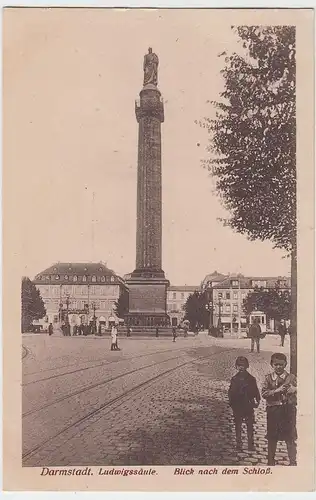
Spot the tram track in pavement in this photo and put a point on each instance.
(99, 412)
(96, 385)
(104, 363)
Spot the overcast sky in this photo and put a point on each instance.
(71, 80)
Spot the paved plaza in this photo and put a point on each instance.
(154, 402)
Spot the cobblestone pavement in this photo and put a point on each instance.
(155, 402)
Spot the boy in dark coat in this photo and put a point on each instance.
(244, 396)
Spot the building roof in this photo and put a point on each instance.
(246, 282)
(183, 288)
(64, 273)
(214, 277)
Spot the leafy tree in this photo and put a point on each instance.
(253, 136)
(253, 141)
(275, 303)
(32, 304)
(195, 310)
(121, 305)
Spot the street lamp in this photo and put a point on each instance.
(209, 307)
(61, 306)
(67, 307)
(94, 307)
(219, 314)
(61, 315)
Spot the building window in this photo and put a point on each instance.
(235, 308)
(66, 277)
(174, 295)
(182, 295)
(227, 308)
(103, 279)
(220, 295)
(227, 295)
(112, 279)
(235, 295)
(75, 278)
(94, 279)
(56, 277)
(243, 296)
(235, 283)
(84, 278)
(259, 283)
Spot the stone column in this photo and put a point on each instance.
(150, 115)
(147, 284)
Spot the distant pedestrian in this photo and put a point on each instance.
(254, 334)
(116, 343)
(113, 338)
(50, 329)
(174, 333)
(282, 331)
(157, 332)
(244, 396)
(279, 390)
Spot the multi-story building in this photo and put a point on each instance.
(82, 291)
(229, 294)
(176, 298)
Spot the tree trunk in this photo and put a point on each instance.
(293, 332)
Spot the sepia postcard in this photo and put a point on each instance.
(158, 272)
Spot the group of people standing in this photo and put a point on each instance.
(279, 390)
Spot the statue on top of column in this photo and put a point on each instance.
(151, 62)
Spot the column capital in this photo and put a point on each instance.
(150, 103)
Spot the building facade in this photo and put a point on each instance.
(83, 292)
(229, 294)
(176, 298)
